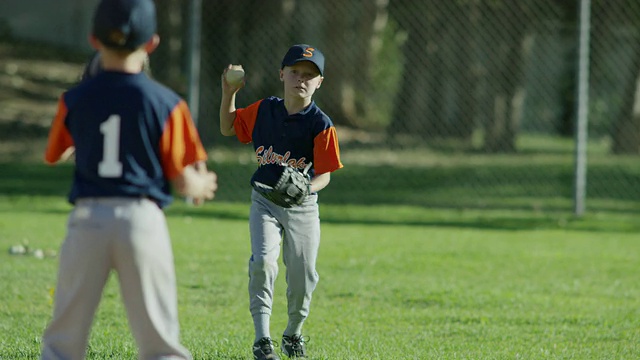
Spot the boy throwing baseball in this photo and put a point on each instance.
(292, 132)
(134, 139)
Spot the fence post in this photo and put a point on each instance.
(193, 96)
(581, 135)
(193, 93)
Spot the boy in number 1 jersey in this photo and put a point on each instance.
(134, 140)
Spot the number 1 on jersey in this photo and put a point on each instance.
(110, 166)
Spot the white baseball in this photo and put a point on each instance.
(17, 250)
(38, 254)
(235, 75)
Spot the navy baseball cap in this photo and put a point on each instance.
(304, 52)
(124, 24)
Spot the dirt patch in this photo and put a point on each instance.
(32, 77)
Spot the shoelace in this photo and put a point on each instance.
(267, 344)
(298, 341)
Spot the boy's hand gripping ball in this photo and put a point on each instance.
(235, 75)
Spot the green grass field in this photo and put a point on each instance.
(397, 282)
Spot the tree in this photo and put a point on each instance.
(357, 41)
(620, 23)
(626, 137)
(463, 60)
(509, 23)
(168, 58)
(569, 16)
(415, 107)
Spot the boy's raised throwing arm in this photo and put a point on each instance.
(228, 104)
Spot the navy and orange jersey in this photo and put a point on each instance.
(280, 138)
(131, 135)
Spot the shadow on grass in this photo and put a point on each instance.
(491, 220)
(543, 192)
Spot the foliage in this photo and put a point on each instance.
(387, 70)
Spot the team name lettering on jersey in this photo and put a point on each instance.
(271, 157)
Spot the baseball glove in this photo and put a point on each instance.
(291, 188)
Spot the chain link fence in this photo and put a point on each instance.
(466, 104)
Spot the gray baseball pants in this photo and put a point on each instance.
(131, 237)
(298, 228)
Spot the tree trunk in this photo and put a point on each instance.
(569, 32)
(168, 58)
(510, 23)
(626, 137)
(354, 83)
(626, 127)
(416, 104)
(339, 77)
(461, 112)
(218, 20)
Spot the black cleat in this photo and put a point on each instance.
(263, 350)
(293, 346)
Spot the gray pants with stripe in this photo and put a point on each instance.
(131, 237)
(298, 228)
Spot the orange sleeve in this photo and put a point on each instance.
(326, 151)
(59, 136)
(245, 121)
(180, 144)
